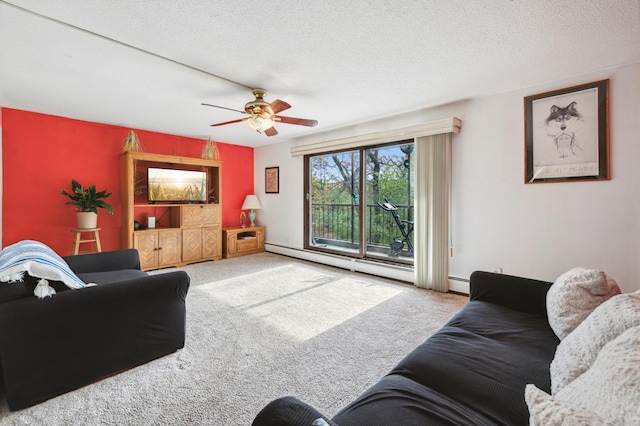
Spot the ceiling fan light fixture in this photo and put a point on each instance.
(260, 124)
(262, 115)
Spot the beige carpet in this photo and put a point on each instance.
(260, 327)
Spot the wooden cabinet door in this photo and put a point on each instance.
(211, 244)
(230, 244)
(147, 245)
(215, 214)
(191, 244)
(199, 215)
(169, 246)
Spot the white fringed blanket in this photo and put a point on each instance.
(38, 260)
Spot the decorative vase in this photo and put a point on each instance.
(87, 220)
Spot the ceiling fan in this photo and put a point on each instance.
(263, 115)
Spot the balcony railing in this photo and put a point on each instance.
(339, 223)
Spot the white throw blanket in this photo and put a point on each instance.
(38, 260)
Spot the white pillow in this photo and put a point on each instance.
(577, 352)
(545, 410)
(574, 295)
(611, 387)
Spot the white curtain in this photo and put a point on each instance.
(433, 158)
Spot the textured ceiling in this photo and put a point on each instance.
(335, 61)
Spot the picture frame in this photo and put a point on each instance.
(272, 180)
(566, 134)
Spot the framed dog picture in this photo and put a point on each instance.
(566, 134)
(272, 180)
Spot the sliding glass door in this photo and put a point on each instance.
(377, 225)
(334, 196)
(389, 202)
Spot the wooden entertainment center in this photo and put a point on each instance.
(184, 232)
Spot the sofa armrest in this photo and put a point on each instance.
(519, 293)
(290, 411)
(104, 261)
(57, 344)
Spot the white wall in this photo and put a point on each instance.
(538, 230)
(282, 212)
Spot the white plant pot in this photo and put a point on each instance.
(87, 220)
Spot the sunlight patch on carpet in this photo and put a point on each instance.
(300, 302)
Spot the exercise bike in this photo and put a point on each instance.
(405, 226)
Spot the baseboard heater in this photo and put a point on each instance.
(394, 272)
(459, 285)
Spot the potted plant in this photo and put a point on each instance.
(87, 202)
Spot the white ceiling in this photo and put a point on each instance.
(149, 64)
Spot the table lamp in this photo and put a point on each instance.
(251, 203)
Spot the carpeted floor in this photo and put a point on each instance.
(260, 327)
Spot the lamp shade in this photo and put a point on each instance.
(251, 202)
(260, 124)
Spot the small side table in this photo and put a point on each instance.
(238, 241)
(77, 239)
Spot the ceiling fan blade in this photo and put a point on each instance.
(279, 105)
(298, 121)
(228, 122)
(271, 131)
(230, 109)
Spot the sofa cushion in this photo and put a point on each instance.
(574, 295)
(398, 400)
(577, 352)
(611, 387)
(108, 277)
(16, 290)
(545, 410)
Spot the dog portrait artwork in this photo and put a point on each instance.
(562, 125)
(563, 133)
(566, 134)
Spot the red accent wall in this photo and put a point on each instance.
(42, 153)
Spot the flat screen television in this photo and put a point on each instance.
(176, 186)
